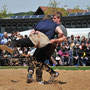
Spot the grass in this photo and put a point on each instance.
(72, 68)
(55, 67)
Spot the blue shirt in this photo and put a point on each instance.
(47, 27)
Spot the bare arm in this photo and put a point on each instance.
(61, 38)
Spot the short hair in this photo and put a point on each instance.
(58, 14)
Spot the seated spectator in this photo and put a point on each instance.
(88, 53)
(67, 46)
(77, 41)
(72, 39)
(0, 39)
(64, 55)
(76, 55)
(83, 55)
(13, 36)
(70, 52)
(55, 58)
(83, 39)
(5, 38)
(4, 58)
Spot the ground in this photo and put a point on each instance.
(15, 79)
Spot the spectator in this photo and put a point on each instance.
(83, 39)
(76, 55)
(77, 41)
(5, 38)
(64, 55)
(13, 36)
(55, 58)
(72, 39)
(67, 46)
(83, 55)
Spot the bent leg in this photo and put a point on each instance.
(48, 69)
(39, 71)
(53, 73)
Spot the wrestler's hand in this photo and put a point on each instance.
(32, 32)
(37, 32)
(52, 41)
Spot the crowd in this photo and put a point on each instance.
(74, 52)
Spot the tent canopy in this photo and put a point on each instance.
(70, 31)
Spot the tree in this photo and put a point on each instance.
(53, 5)
(24, 13)
(4, 13)
(77, 7)
(88, 8)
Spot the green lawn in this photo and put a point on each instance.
(72, 68)
(55, 67)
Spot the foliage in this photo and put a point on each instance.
(4, 13)
(53, 3)
(53, 7)
(77, 7)
(24, 13)
(88, 8)
(72, 68)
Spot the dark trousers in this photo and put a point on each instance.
(25, 42)
(44, 53)
(41, 54)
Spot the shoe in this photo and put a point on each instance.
(41, 82)
(53, 76)
(29, 77)
(57, 74)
